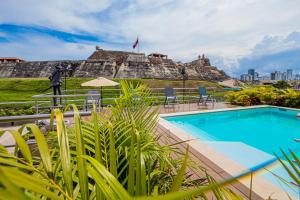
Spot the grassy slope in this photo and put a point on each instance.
(22, 89)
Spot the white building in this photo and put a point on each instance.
(278, 75)
(265, 78)
(289, 73)
(284, 76)
(246, 77)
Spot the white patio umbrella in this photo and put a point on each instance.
(99, 82)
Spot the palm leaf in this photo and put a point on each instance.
(98, 149)
(80, 150)
(288, 170)
(64, 151)
(31, 183)
(22, 145)
(11, 191)
(180, 176)
(101, 174)
(43, 148)
(112, 151)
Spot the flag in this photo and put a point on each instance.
(136, 43)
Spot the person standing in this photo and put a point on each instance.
(56, 83)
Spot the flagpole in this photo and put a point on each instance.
(138, 45)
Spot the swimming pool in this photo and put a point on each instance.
(247, 136)
(266, 129)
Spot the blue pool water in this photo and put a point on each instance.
(247, 136)
(266, 129)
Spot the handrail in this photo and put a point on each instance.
(37, 116)
(20, 102)
(65, 95)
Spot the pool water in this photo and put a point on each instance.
(266, 129)
(247, 136)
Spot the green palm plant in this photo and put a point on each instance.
(291, 163)
(112, 156)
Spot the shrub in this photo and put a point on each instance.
(264, 95)
(16, 111)
(282, 85)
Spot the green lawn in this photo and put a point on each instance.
(22, 89)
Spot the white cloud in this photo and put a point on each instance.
(276, 44)
(33, 47)
(273, 53)
(66, 15)
(228, 29)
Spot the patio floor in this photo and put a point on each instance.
(193, 107)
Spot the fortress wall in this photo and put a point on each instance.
(107, 66)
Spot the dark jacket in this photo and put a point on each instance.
(55, 78)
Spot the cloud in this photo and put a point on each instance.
(274, 53)
(226, 28)
(229, 31)
(35, 47)
(276, 44)
(39, 43)
(66, 15)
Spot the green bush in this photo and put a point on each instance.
(264, 95)
(282, 85)
(16, 111)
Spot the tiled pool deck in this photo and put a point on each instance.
(218, 165)
(179, 108)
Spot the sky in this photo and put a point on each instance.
(234, 34)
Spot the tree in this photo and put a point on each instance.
(282, 85)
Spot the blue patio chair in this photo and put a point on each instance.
(204, 97)
(170, 96)
(94, 98)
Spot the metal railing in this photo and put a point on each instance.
(19, 118)
(42, 103)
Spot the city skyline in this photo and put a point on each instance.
(286, 75)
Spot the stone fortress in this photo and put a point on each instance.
(117, 64)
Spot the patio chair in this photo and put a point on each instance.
(92, 99)
(204, 97)
(170, 96)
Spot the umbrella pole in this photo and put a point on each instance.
(100, 98)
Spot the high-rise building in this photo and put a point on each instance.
(246, 77)
(278, 75)
(252, 73)
(256, 75)
(289, 74)
(272, 76)
(284, 76)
